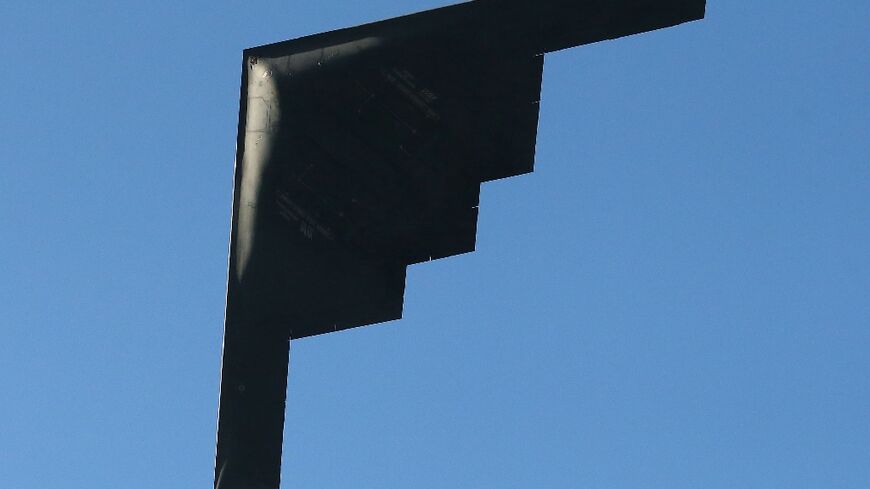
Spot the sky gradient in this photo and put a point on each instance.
(678, 297)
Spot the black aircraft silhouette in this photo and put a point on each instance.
(361, 151)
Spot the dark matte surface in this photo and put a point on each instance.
(367, 147)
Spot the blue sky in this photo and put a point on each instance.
(678, 297)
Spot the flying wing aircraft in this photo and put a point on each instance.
(361, 151)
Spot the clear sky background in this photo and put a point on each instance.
(678, 297)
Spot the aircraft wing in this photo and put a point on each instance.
(361, 151)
